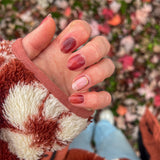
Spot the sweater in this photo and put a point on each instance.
(35, 115)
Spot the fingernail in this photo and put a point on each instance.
(76, 99)
(80, 83)
(68, 45)
(49, 15)
(75, 62)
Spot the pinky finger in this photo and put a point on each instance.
(90, 100)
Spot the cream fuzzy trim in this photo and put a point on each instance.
(53, 108)
(23, 101)
(19, 144)
(71, 126)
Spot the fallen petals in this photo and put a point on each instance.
(107, 13)
(121, 122)
(67, 12)
(157, 100)
(146, 0)
(143, 13)
(115, 6)
(104, 28)
(95, 28)
(121, 110)
(147, 91)
(128, 43)
(116, 20)
(127, 62)
(130, 117)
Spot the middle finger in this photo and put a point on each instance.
(91, 53)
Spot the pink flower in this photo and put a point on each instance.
(130, 117)
(108, 14)
(62, 23)
(134, 21)
(128, 43)
(115, 6)
(104, 28)
(146, 91)
(127, 62)
(136, 74)
(157, 100)
(67, 12)
(143, 13)
(80, 15)
(95, 28)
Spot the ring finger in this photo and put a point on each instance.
(93, 75)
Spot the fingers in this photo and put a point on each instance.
(93, 75)
(91, 100)
(40, 38)
(91, 53)
(72, 37)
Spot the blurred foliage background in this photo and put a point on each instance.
(133, 29)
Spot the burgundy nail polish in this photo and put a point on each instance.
(76, 99)
(68, 45)
(75, 62)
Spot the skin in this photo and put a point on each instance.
(47, 55)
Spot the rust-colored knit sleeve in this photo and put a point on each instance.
(79, 154)
(35, 115)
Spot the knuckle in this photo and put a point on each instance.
(102, 44)
(95, 49)
(99, 74)
(108, 98)
(83, 25)
(95, 100)
(105, 43)
(112, 66)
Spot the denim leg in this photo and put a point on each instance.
(83, 140)
(111, 143)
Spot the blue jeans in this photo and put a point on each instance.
(110, 142)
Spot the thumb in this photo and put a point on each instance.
(40, 38)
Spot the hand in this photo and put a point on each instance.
(74, 73)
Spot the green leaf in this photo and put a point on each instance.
(77, 3)
(151, 65)
(56, 15)
(124, 7)
(150, 47)
(114, 36)
(114, 110)
(112, 85)
(5, 2)
(136, 50)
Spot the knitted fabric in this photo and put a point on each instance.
(78, 154)
(35, 115)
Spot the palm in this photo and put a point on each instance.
(55, 66)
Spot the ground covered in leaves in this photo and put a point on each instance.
(133, 29)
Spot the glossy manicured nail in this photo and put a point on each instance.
(49, 15)
(68, 45)
(76, 99)
(80, 83)
(75, 62)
